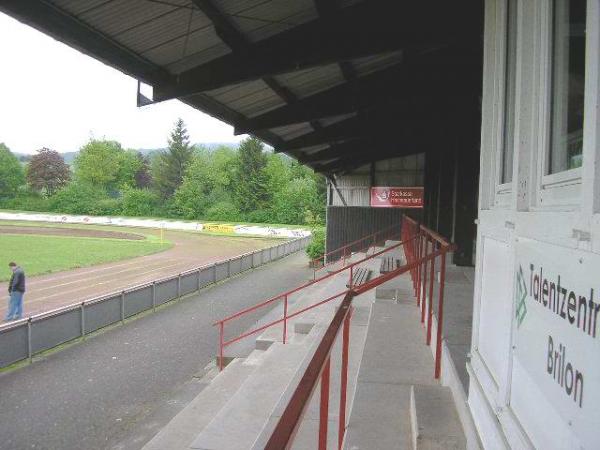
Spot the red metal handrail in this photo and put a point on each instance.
(318, 368)
(347, 249)
(320, 364)
(429, 245)
(284, 296)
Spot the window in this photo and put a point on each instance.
(509, 92)
(567, 86)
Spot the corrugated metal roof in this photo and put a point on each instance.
(175, 35)
(314, 149)
(370, 64)
(249, 98)
(304, 83)
(292, 131)
(331, 120)
(259, 19)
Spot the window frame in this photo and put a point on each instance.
(562, 189)
(503, 190)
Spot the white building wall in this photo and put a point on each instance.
(548, 221)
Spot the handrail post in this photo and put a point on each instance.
(285, 308)
(438, 346)
(430, 302)
(122, 306)
(425, 279)
(419, 266)
(344, 380)
(221, 326)
(29, 343)
(324, 409)
(351, 276)
(82, 309)
(154, 296)
(423, 285)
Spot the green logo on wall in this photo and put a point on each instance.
(520, 295)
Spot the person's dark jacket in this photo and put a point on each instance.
(17, 281)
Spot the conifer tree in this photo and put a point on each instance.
(252, 192)
(170, 166)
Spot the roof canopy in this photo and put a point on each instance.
(333, 83)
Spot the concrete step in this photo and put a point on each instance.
(240, 421)
(309, 296)
(183, 428)
(379, 419)
(434, 420)
(399, 289)
(394, 359)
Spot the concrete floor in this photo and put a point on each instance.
(117, 389)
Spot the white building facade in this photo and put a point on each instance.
(535, 358)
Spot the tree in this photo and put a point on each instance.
(207, 181)
(104, 164)
(251, 188)
(143, 178)
(98, 163)
(129, 165)
(297, 201)
(169, 167)
(47, 171)
(11, 172)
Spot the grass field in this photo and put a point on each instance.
(45, 254)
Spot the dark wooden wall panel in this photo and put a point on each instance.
(348, 224)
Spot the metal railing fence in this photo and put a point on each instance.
(422, 247)
(22, 339)
(284, 297)
(363, 244)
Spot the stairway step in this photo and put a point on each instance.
(434, 420)
(394, 349)
(238, 424)
(179, 433)
(399, 289)
(394, 359)
(379, 418)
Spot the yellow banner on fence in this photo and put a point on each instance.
(218, 227)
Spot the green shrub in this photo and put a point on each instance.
(223, 211)
(259, 216)
(77, 198)
(106, 207)
(316, 248)
(139, 202)
(27, 201)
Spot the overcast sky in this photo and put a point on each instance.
(53, 96)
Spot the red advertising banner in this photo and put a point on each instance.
(397, 197)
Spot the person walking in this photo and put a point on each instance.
(16, 289)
